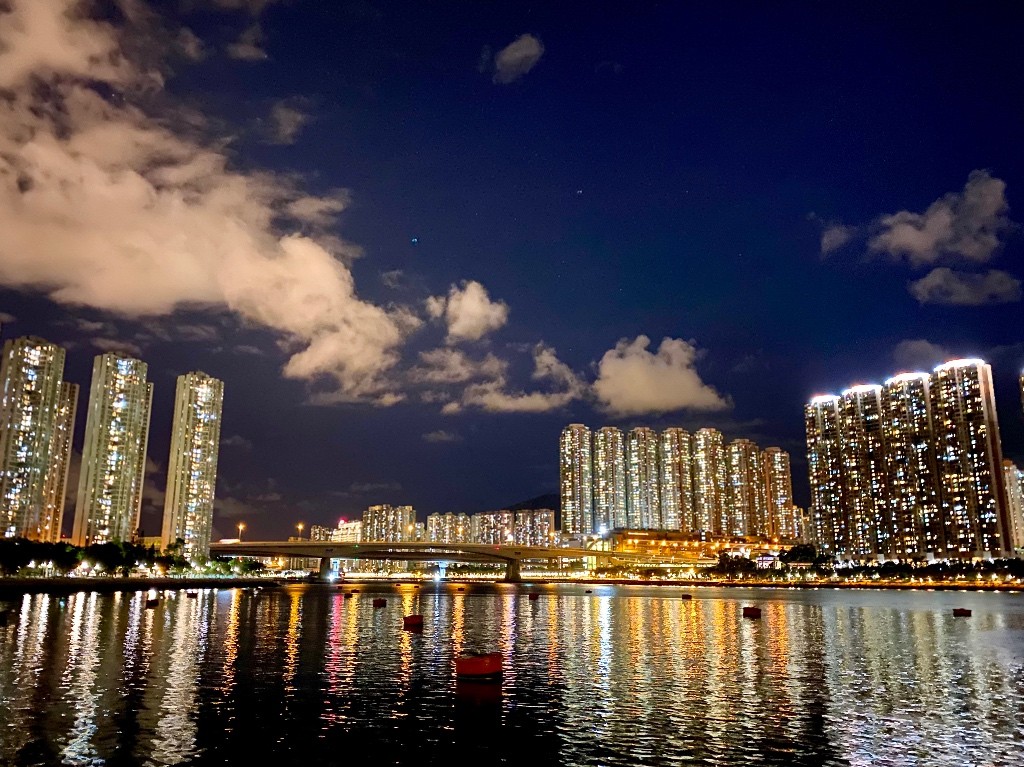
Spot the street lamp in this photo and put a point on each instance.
(241, 527)
(300, 526)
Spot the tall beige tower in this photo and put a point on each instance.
(192, 468)
(828, 518)
(30, 402)
(865, 493)
(56, 488)
(783, 515)
(1013, 479)
(609, 479)
(114, 454)
(643, 503)
(911, 475)
(709, 482)
(746, 506)
(676, 467)
(577, 487)
(969, 457)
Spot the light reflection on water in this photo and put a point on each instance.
(622, 676)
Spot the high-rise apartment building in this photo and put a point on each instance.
(348, 532)
(55, 489)
(114, 454)
(448, 528)
(390, 524)
(910, 469)
(535, 527)
(1013, 479)
(865, 495)
(609, 479)
(30, 375)
(911, 474)
(676, 467)
(192, 469)
(746, 504)
(494, 527)
(577, 487)
(969, 458)
(643, 500)
(827, 514)
(709, 482)
(783, 516)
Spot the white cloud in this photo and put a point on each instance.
(189, 44)
(633, 381)
(835, 236)
(106, 206)
(236, 440)
(286, 120)
(392, 279)
(517, 58)
(441, 436)
(494, 395)
(954, 288)
(447, 365)
(5, 317)
(116, 345)
(247, 46)
(919, 354)
(468, 311)
(965, 226)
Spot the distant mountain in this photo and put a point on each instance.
(548, 501)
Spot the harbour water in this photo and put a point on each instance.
(626, 675)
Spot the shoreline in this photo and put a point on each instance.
(18, 586)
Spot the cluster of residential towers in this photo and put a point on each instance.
(913, 468)
(37, 424)
(674, 481)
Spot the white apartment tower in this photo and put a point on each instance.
(676, 480)
(577, 487)
(114, 454)
(709, 482)
(609, 479)
(192, 468)
(643, 502)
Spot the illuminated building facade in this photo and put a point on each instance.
(391, 524)
(911, 474)
(30, 416)
(746, 507)
(911, 469)
(114, 454)
(862, 451)
(969, 458)
(709, 482)
(535, 527)
(448, 528)
(348, 532)
(192, 468)
(495, 527)
(824, 466)
(609, 479)
(1013, 479)
(643, 501)
(319, 533)
(783, 518)
(676, 477)
(577, 487)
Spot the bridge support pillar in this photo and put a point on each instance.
(325, 568)
(512, 571)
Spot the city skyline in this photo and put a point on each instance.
(414, 251)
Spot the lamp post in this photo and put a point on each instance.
(299, 526)
(241, 527)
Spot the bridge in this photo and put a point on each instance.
(509, 555)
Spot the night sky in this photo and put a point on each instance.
(417, 239)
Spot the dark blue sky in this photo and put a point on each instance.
(663, 169)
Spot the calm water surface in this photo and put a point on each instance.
(623, 676)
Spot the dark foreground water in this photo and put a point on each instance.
(622, 676)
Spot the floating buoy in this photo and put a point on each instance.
(412, 623)
(588, 591)
(348, 595)
(380, 602)
(192, 594)
(961, 612)
(461, 588)
(686, 596)
(151, 603)
(752, 612)
(481, 668)
(534, 597)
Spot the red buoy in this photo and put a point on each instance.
(686, 596)
(380, 602)
(961, 612)
(412, 623)
(752, 612)
(534, 597)
(478, 667)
